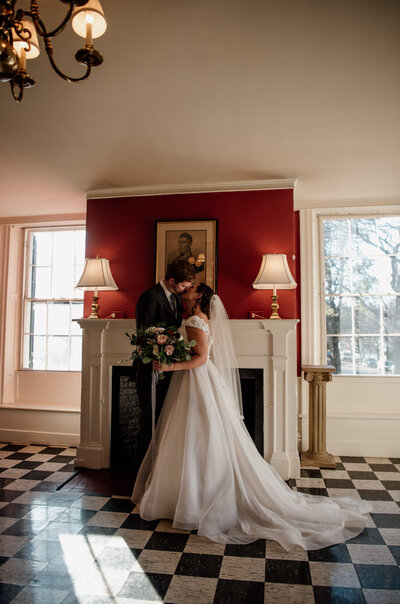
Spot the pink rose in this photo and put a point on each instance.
(161, 339)
(169, 350)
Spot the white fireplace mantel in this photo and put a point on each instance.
(269, 345)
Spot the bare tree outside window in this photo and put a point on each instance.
(362, 294)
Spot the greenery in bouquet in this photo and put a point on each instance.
(159, 343)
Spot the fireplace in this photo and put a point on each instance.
(125, 412)
(266, 345)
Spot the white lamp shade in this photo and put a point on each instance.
(274, 273)
(32, 49)
(97, 276)
(90, 12)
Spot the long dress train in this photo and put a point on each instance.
(208, 475)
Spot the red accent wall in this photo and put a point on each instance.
(250, 223)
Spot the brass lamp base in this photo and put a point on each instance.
(274, 307)
(95, 308)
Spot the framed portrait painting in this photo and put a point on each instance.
(191, 240)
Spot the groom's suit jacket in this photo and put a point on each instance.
(152, 308)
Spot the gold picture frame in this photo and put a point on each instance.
(192, 240)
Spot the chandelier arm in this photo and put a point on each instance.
(49, 50)
(40, 26)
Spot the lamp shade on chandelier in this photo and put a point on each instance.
(20, 31)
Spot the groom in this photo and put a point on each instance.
(159, 304)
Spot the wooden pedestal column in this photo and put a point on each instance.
(317, 376)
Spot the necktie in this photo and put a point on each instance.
(173, 303)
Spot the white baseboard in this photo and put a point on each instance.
(359, 435)
(27, 437)
(39, 427)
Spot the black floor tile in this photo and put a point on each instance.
(52, 451)
(13, 448)
(338, 483)
(375, 576)
(172, 542)
(16, 510)
(25, 528)
(356, 475)
(67, 459)
(134, 521)
(369, 536)
(383, 467)
(395, 550)
(20, 456)
(27, 465)
(386, 520)
(37, 475)
(287, 571)
(313, 491)
(336, 553)
(239, 592)
(118, 505)
(4, 482)
(9, 494)
(8, 592)
(391, 485)
(308, 473)
(199, 565)
(145, 586)
(395, 460)
(338, 595)
(375, 495)
(349, 459)
(3, 559)
(249, 550)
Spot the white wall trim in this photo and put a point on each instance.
(45, 220)
(384, 203)
(29, 437)
(244, 185)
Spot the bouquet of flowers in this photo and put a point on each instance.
(159, 343)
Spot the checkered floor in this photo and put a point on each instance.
(60, 544)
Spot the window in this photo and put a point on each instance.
(361, 260)
(54, 263)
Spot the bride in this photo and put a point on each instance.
(207, 473)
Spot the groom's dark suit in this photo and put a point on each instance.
(152, 308)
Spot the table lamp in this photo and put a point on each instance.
(274, 274)
(96, 277)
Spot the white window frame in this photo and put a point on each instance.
(26, 299)
(380, 335)
(313, 326)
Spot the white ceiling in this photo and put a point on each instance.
(211, 91)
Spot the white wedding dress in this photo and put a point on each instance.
(208, 475)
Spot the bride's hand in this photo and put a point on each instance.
(157, 366)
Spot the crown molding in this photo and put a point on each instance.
(45, 219)
(217, 187)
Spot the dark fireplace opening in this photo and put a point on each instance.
(125, 412)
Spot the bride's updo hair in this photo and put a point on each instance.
(204, 302)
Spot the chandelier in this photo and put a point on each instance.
(19, 31)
